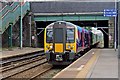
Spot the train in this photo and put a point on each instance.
(64, 40)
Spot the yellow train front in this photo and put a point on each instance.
(60, 43)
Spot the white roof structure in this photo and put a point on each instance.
(95, 31)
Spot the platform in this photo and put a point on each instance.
(5, 53)
(97, 63)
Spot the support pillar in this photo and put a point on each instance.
(0, 44)
(21, 28)
(119, 29)
(30, 14)
(20, 35)
(111, 32)
(10, 36)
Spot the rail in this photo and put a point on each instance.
(23, 65)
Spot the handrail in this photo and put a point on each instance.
(12, 14)
(6, 6)
(8, 10)
(3, 8)
(5, 14)
(15, 8)
(12, 4)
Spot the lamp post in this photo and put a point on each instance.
(115, 43)
(21, 43)
(119, 29)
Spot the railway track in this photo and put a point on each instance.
(31, 68)
(33, 72)
(21, 66)
(42, 72)
(14, 59)
(22, 63)
(48, 74)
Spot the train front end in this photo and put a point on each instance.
(60, 43)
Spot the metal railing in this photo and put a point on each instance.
(11, 13)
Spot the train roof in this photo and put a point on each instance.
(93, 32)
(68, 23)
(80, 29)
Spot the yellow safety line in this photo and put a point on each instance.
(70, 65)
(84, 71)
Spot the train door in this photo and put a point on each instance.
(59, 38)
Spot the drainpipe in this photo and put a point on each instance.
(10, 36)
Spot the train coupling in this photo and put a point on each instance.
(59, 58)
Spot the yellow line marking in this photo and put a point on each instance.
(75, 69)
(71, 65)
(78, 59)
(87, 67)
(72, 69)
(81, 67)
(93, 52)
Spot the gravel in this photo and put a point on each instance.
(49, 74)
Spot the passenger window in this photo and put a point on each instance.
(70, 35)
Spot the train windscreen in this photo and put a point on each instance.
(70, 35)
(58, 35)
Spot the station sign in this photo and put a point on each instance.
(110, 12)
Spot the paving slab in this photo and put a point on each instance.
(103, 64)
(106, 65)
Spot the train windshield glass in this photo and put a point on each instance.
(49, 35)
(70, 35)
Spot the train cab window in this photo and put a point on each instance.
(58, 35)
(49, 35)
(70, 35)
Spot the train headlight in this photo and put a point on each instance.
(47, 47)
(68, 46)
(72, 47)
(51, 47)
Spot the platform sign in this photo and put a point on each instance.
(110, 12)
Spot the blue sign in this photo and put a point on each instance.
(110, 12)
